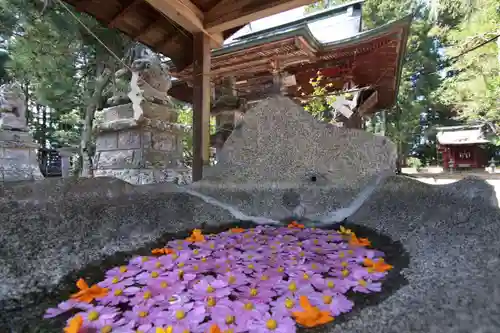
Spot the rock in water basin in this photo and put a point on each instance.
(280, 151)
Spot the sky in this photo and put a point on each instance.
(269, 22)
(325, 31)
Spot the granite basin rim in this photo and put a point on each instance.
(274, 185)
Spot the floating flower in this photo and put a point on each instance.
(248, 311)
(332, 302)
(210, 287)
(196, 236)
(355, 241)
(185, 317)
(310, 316)
(225, 317)
(345, 231)
(243, 280)
(88, 294)
(168, 329)
(367, 287)
(99, 316)
(295, 225)
(162, 251)
(142, 314)
(256, 294)
(144, 295)
(214, 329)
(272, 323)
(378, 266)
(234, 279)
(123, 272)
(286, 304)
(74, 324)
(65, 307)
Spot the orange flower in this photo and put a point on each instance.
(196, 236)
(237, 230)
(311, 316)
(214, 329)
(355, 241)
(378, 266)
(162, 251)
(294, 224)
(74, 324)
(87, 294)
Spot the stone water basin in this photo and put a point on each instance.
(444, 240)
(28, 318)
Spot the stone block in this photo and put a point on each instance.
(151, 110)
(119, 159)
(146, 139)
(17, 154)
(107, 141)
(129, 139)
(164, 141)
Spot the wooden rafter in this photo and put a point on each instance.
(187, 15)
(228, 14)
(128, 6)
(150, 27)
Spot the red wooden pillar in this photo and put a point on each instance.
(201, 103)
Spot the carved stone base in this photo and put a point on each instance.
(18, 157)
(143, 152)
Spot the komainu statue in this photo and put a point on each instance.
(12, 107)
(147, 76)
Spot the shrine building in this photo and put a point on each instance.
(284, 58)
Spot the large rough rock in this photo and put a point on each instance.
(53, 227)
(281, 161)
(451, 233)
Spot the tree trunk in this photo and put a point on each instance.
(86, 157)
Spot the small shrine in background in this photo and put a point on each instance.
(363, 65)
(464, 146)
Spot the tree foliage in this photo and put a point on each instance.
(473, 83)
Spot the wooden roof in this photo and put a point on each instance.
(463, 135)
(167, 26)
(371, 58)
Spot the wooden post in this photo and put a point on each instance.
(356, 121)
(201, 103)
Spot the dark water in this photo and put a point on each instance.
(29, 319)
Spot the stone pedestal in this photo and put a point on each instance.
(18, 157)
(139, 152)
(66, 155)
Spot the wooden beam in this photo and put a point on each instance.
(230, 13)
(187, 15)
(369, 104)
(150, 27)
(201, 103)
(128, 6)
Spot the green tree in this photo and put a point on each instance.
(473, 85)
(63, 68)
